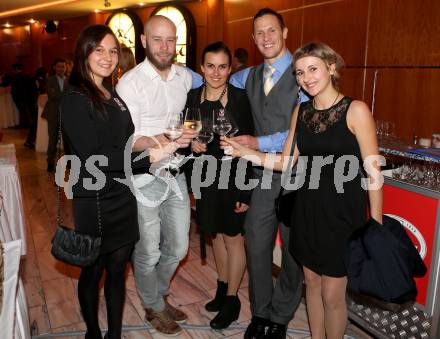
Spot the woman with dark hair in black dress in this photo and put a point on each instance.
(95, 121)
(221, 211)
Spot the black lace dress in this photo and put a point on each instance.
(327, 209)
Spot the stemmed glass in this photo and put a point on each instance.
(173, 131)
(229, 149)
(193, 120)
(206, 135)
(221, 124)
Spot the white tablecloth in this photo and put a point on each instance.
(14, 318)
(8, 111)
(42, 136)
(12, 222)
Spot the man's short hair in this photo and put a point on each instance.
(266, 11)
(242, 55)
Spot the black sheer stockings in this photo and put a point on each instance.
(114, 264)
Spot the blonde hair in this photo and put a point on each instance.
(323, 52)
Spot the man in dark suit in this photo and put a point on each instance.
(22, 91)
(56, 84)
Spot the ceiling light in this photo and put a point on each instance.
(96, 10)
(7, 25)
(32, 20)
(141, 4)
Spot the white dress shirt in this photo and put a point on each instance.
(152, 100)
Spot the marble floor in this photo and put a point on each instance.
(51, 285)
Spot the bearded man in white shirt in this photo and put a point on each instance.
(155, 90)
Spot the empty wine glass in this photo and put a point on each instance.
(229, 149)
(206, 135)
(173, 131)
(221, 124)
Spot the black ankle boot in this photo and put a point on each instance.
(229, 313)
(216, 304)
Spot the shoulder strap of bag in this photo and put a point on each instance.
(59, 188)
(289, 165)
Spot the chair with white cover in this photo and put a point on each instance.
(14, 319)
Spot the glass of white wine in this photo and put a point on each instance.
(193, 118)
(173, 131)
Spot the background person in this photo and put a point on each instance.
(240, 60)
(56, 84)
(330, 125)
(221, 212)
(22, 92)
(127, 61)
(96, 121)
(39, 80)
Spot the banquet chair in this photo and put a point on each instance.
(14, 319)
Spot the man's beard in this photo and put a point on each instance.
(161, 66)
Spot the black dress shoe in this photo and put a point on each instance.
(276, 331)
(30, 145)
(256, 328)
(215, 305)
(229, 313)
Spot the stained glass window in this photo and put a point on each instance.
(122, 25)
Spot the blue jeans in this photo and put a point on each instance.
(164, 232)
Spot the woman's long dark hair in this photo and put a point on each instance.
(81, 76)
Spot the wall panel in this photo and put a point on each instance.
(404, 33)
(343, 27)
(408, 97)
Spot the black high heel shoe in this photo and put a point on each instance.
(229, 313)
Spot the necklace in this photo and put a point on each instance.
(334, 101)
(219, 98)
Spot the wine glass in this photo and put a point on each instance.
(173, 131)
(229, 149)
(206, 135)
(221, 124)
(193, 120)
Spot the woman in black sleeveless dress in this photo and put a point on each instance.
(222, 205)
(335, 136)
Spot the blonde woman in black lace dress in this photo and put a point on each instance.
(335, 135)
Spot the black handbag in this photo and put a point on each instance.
(285, 201)
(68, 245)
